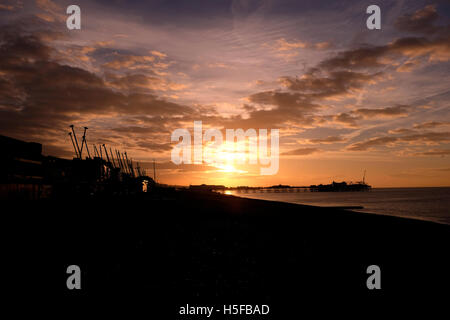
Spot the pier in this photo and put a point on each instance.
(273, 189)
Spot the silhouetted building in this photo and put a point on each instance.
(21, 173)
(26, 174)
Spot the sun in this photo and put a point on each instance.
(228, 168)
(224, 157)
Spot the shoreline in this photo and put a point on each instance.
(348, 208)
(379, 204)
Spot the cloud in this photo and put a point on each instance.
(51, 11)
(417, 127)
(328, 140)
(417, 138)
(345, 74)
(153, 146)
(409, 65)
(421, 21)
(431, 124)
(435, 152)
(141, 83)
(41, 96)
(436, 49)
(396, 111)
(41, 91)
(284, 107)
(219, 65)
(341, 76)
(287, 50)
(8, 7)
(160, 55)
(351, 118)
(366, 57)
(368, 144)
(346, 119)
(401, 131)
(301, 152)
(145, 130)
(177, 169)
(337, 83)
(427, 137)
(130, 62)
(283, 45)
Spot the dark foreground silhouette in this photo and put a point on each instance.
(166, 250)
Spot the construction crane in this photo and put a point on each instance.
(78, 150)
(83, 141)
(112, 158)
(76, 141)
(129, 165)
(96, 154)
(87, 150)
(132, 169)
(101, 152)
(138, 168)
(74, 146)
(106, 152)
(125, 166)
(119, 159)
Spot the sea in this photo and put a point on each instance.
(432, 204)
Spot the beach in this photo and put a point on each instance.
(176, 247)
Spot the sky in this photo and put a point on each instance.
(344, 98)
